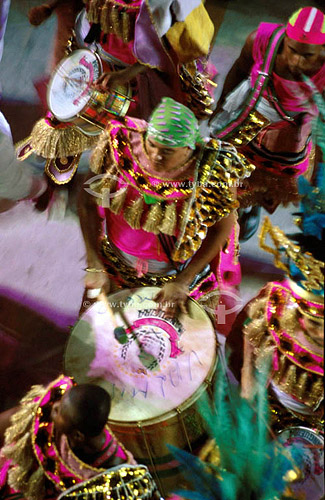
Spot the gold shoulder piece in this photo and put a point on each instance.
(311, 269)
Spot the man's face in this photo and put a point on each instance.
(165, 159)
(60, 415)
(302, 57)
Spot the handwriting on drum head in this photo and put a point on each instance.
(155, 360)
(176, 375)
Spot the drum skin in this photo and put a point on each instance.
(71, 96)
(150, 409)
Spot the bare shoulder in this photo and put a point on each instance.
(247, 50)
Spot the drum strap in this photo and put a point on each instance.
(168, 244)
(260, 84)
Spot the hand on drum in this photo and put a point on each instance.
(97, 280)
(110, 80)
(172, 298)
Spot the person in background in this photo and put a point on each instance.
(17, 180)
(266, 109)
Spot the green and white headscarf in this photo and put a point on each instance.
(174, 125)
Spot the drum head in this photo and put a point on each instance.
(311, 445)
(161, 365)
(70, 88)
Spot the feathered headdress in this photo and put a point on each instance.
(242, 462)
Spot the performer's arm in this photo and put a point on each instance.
(239, 71)
(91, 227)
(176, 291)
(38, 14)
(107, 80)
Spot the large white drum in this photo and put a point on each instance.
(155, 378)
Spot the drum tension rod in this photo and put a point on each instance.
(150, 458)
(91, 122)
(180, 418)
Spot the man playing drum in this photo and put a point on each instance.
(141, 41)
(154, 49)
(169, 203)
(266, 84)
(57, 438)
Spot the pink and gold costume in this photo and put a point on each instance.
(154, 226)
(32, 463)
(276, 138)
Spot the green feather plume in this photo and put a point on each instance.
(251, 466)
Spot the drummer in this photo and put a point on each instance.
(125, 30)
(169, 203)
(72, 441)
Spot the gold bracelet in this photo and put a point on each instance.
(94, 270)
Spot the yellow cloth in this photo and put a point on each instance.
(192, 38)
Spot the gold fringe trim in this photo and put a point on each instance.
(133, 213)
(168, 225)
(154, 218)
(20, 451)
(101, 185)
(117, 201)
(104, 17)
(18, 448)
(115, 21)
(291, 378)
(257, 307)
(100, 158)
(302, 385)
(94, 11)
(50, 142)
(126, 25)
(36, 485)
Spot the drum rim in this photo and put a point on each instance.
(65, 120)
(185, 404)
(304, 428)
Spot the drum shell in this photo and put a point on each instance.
(182, 427)
(99, 108)
(94, 118)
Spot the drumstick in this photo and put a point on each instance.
(119, 332)
(148, 360)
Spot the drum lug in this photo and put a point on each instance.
(151, 457)
(181, 421)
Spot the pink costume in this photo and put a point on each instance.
(148, 240)
(281, 150)
(295, 98)
(127, 33)
(56, 468)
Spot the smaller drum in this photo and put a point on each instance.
(311, 444)
(72, 98)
